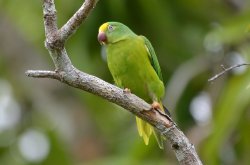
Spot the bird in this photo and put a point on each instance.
(134, 67)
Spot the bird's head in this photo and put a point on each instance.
(111, 32)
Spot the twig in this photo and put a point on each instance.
(226, 70)
(42, 74)
(76, 20)
(67, 73)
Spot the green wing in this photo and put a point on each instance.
(153, 58)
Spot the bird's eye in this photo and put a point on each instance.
(111, 28)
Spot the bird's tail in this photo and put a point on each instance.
(145, 130)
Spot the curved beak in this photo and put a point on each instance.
(102, 38)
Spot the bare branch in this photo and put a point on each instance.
(76, 20)
(185, 152)
(42, 74)
(49, 14)
(67, 73)
(226, 70)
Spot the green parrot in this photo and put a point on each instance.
(134, 66)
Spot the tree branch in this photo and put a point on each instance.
(42, 74)
(49, 16)
(226, 70)
(76, 20)
(67, 73)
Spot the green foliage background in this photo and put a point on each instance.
(191, 38)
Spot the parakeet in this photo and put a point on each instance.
(134, 66)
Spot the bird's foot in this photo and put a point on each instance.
(156, 105)
(126, 90)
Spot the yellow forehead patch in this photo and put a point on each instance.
(103, 27)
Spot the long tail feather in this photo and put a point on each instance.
(166, 111)
(159, 139)
(145, 130)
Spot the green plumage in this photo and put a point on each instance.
(133, 65)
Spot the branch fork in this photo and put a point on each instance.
(68, 74)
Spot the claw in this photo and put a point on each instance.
(156, 105)
(126, 90)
